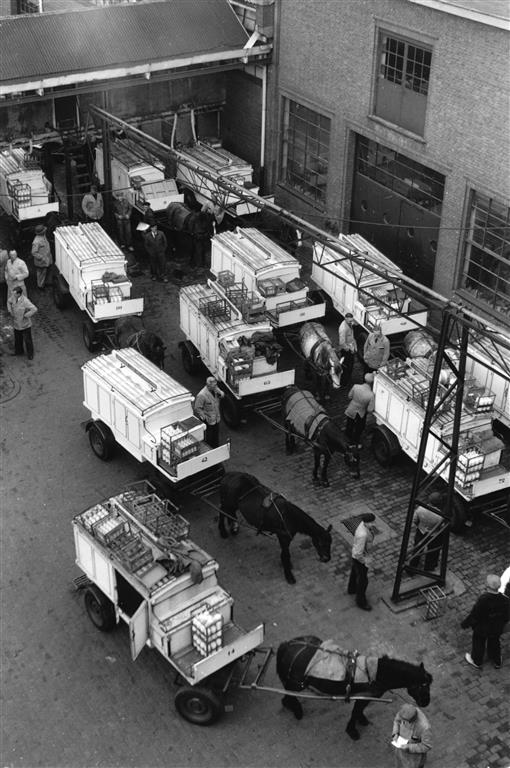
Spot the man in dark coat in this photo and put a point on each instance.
(156, 245)
(487, 618)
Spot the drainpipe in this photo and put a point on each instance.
(263, 127)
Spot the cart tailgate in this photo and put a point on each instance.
(245, 642)
(118, 308)
(203, 461)
(298, 315)
(277, 380)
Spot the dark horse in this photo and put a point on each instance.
(304, 416)
(192, 231)
(321, 359)
(296, 658)
(130, 332)
(269, 512)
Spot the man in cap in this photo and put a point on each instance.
(426, 521)
(362, 401)
(41, 253)
(361, 558)
(376, 350)
(16, 272)
(21, 309)
(92, 204)
(156, 247)
(487, 619)
(122, 208)
(207, 409)
(411, 737)
(348, 347)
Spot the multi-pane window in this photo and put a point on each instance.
(487, 252)
(305, 150)
(402, 82)
(417, 183)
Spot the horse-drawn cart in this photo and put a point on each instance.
(247, 263)
(91, 268)
(25, 192)
(135, 404)
(141, 567)
(236, 345)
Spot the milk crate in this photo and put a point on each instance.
(435, 602)
(236, 293)
(226, 278)
(214, 309)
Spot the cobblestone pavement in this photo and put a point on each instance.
(72, 696)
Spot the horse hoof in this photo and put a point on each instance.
(290, 579)
(362, 720)
(353, 733)
(223, 533)
(325, 483)
(315, 481)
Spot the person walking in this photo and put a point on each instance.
(376, 350)
(122, 208)
(487, 619)
(92, 205)
(411, 737)
(4, 258)
(362, 401)
(361, 558)
(348, 347)
(41, 254)
(156, 245)
(207, 408)
(16, 272)
(425, 521)
(21, 309)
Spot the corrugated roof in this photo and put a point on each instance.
(41, 45)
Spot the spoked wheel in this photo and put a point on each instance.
(90, 337)
(59, 298)
(101, 441)
(199, 706)
(385, 446)
(189, 360)
(230, 411)
(100, 609)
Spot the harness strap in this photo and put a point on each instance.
(350, 671)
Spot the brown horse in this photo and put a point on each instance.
(192, 231)
(130, 332)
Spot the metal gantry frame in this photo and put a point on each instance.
(462, 330)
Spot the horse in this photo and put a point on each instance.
(303, 416)
(270, 512)
(321, 358)
(192, 230)
(307, 662)
(130, 332)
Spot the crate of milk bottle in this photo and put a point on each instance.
(207, 630)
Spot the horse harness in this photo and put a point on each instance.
(134, 341)
(266, 503)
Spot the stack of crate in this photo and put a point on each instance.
(177, 445)
(479, 399)
(252, 308)
(206, 631)
(236, 293)
(469, 467)
(216, 310)
(131, 550)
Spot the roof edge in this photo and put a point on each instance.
(465, 13)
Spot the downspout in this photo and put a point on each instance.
(263, 127)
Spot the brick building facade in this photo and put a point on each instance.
(390, 118)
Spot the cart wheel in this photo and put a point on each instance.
(89, 336)
(101, 440)
(230, 411)
(199, 706)
(189, 360)
(100, 609)
(59, 298)
(385, 446)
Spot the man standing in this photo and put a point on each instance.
(122, 208)
(92, 205)
(207, 409)
(348, 347)
(41, 253)
(411, 737)
(16, 272)
(487, 618)
(21, 309)
(361, 547)
(156, 245)
(376, 350)
(362, 402)
(425, 521)
(4, 258)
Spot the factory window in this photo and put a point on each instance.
(305, 150)
(27, 6)
(414, 181)
(403, 76)
(487, 252)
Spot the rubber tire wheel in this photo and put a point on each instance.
(102, 445)
(199, 706)
(89, 336)
(59, 298)
(100, 609)
(382, 449)
(189, 362)
(459, 515)
(230, 412)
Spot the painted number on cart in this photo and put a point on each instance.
(204, 459)
(266, 382)
(118, 307)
